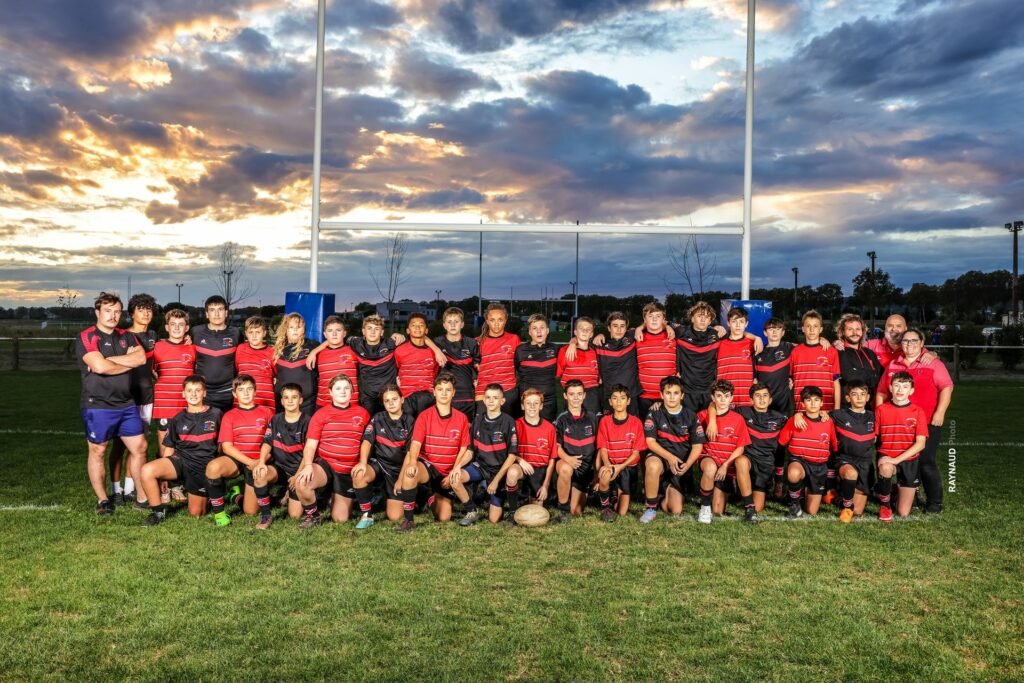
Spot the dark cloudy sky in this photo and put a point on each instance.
(136, 136)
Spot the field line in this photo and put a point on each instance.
(28, 508)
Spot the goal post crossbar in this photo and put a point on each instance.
(552, 228)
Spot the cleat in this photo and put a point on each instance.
(471, 518)
(405, 526)
(609, 515)
(234, 494)
(178, 494)
(221, 519)
(648, 516)
(829, 498)
(750, 516)
(154, 519)
(129, 498)
(117, 499)
(704, 516)
(104, 508)
(365, 522)
(885, 514)
(310, 521)
(779, 494)
(265, 521)
(846, 516)
(141, 505)
(560, 517)
(795, 511)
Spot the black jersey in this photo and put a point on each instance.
(577, 435)
(674, 432)
(855, 432)
(193, 436)
(616, 364)
(763, 429)
(286, 440)
(389, 438)
(771, 368)
(104, 391)
(377, 367)
(862, 364)
(697, 355)
(142, 376)
(463, 355)
(493, 441)
(215, 356)
(536, 366)
(290, 368)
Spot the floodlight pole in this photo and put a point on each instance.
(748, 157)
(480, 281)
(576, 282)
(318, 126)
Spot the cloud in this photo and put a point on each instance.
(428, 75)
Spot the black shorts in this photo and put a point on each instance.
(815, 474)
(243, 470)
(531, 484)
(435, 481)
(908, 474)
(466, 406)
(863, 467)
(341, 484)
(371, 403)
(761, 473)
(626, 480)
(191, 476)
(697, 400)
(549, 411)
(583, 476)
(387, 476)
(416, 402)
(220, 399)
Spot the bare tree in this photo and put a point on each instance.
(695, 264)
(390, 277)
(230, 279)
(66, 298)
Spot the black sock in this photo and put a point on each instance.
(606, 499)
(408, 498)
(564, 507)
(364, 497)
(263, 499)
(652, 503)
(514, 497)
(470, 505)
(884, 489)
(748, 501)
(309, 510)
(157, 509)
(795, 490)
(846, 489)
(705, 497)
(831, 482)
(215, 487)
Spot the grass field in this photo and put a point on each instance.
(933, 598)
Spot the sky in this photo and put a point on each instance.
(138, 136)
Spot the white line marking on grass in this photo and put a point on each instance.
(990, 444)
(28, 508)
(48, 432)
(808, 519)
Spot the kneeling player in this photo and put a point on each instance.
(576, 431)
(809, 449)
(675, 438)
(902, 428)
(620, 438)
(538, 446)
(281, 453)
(494, 448)
(188, 446)
(764, 426)
(385, 442)
(855, 432)
(725, 447)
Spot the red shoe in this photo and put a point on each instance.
(830, 497)
(885, 514)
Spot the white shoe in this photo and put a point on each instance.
(704, 516)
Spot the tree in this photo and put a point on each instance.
(882, 294)
(230, 279)
(390, 277)
(695, 264)
(923, 299)
(66, 298)
(828, 299)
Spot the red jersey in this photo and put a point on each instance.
(929, 380)
(416, 368)
(814, 444)
(497, 361)
(882, 349)
(442, 437)
(814, 366)
(245, 428)
(339, 432)
(259, 363)
(655, 360)
(172, 363)
(732, 434)
(736, 364)
(898, 427)
(583, 367)
(620, 439)
(331, 362)
(538, 444)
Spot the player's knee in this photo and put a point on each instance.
(654, 466)
(563, 469)
(794, 473)
(742, 464)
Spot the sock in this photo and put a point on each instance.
(129, 486)
(157, 509)
(705, 497)
(748, 501)
(408, 498)
(795, 490)
(884, 489)
(652, 503)
(563, 507)
(846, 489)
(309, 510)
(470, 505)
(364, 497)
(831, 482)
(514, 497)
(116, 487)
(215, 489)
(606, 499)
(263, 499)
(778, 473)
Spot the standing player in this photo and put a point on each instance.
(655, 355)
(736, 357)
(772, 369)
(333, 358)
(902, 429)
(173, 361)
(215, 344)
(583, 364)
(291, 349)
(417, 366)
(763, 426)
(815, 365)
(674, 438)
(188, 447)
(254, 357)
(497, 358)
(493, 449)
(697, 346)
(617, 364)
(809, 450)
(723, 450)
(576, 431)
(538, 447)
(377, 368)
(536, 363)
(856, 363)
(385, 443)
(620, 438)
(463, 356)
(106, 356)
(281, 453)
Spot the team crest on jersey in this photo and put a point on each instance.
(121, 342)
(910, 422)
(357, 420)
(209, 425)
(588, 430)
(498, 436)
(823, 439)
(727, 432)
(780, 355)
(542, 443)
(453, 433)
(822, 361)
(227, 341)
(649, 424)
(745, 354)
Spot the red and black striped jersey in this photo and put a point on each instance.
(389, 438)
(172, 363)
(583, 367)
(339, 432)
(732, 434)
(494, 440)
(536, 367)
(771, 368)
(855, 432)
(463, 356)
(417, 368)
(104, 391)
(215, 356)
(497, 361)
(763, 429)
(538, 444)
(736, 364)
(287, 441)
(656, 360)
(675, 432)
(442, 437)
(332, 362)
(193, 436)
(814, 443)
(142, 376)
(577, 434)
(620, 439)
(898, 428)
(290, 368)
(698, 358)
(244, 428)
(616, 364)
(377, 367)
(258, 364)
(814, 366)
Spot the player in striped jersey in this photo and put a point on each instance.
(436, 455)
(332, 450)
(902, 429)
(655, 354)
(736, 357)
(855, 432)
(538, 446)
(385, 443)
(809, 450)
(771, 368)
(616, 361)
(583, 364)
(493, 449)
(417, 366)
(576, 430)
(241, 437)
(463, 356)
(697, 344)
(333, 357)
(254, 357)
(376, 356)
(215, 344)
(725, 448)
(497, 358)
(291, 349)
(620, 438)
(281, 453)
(173, 361)
(815, 365)
(763, 426)
(673, 434)
(536, 363)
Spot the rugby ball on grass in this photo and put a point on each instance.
(532, 515)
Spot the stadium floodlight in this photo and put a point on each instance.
(1014, 227)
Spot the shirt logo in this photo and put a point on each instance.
(209, 425)
(745, 354)
(822, 361)
(911, 422)
(727, 432)
(453, 434)
(542, 443)
(227, 341)
(823, 439)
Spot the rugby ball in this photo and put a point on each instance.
(532, 515)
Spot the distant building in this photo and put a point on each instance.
(403, 309)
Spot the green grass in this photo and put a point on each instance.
(97, 599)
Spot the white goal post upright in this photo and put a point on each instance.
(564, 228)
